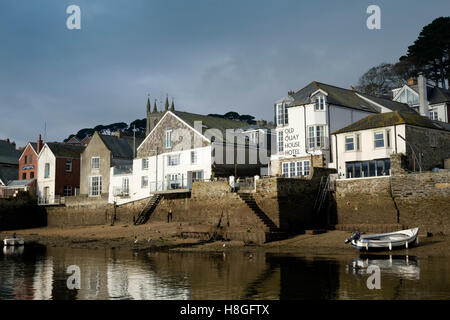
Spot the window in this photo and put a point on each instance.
(358, 141)
(433, 115)
(31, 159)
(319, 104)
(378, 139)
(24, 176)
(67, 191)
(47, 170)
(388, 138)
(95, 163)
(145, 163)
(433, 140)
(173, 160)
(26, 159)
(316, 137)
(299, 168)
(197, 176)
(285, 169)
(349, 143)
(306, 165)
(295, 169)
(144, 181)
(281, 115)
(68, 165)
(125, 186)
(31, 175)
(95, 186)
(373, 168)
(280, 141)
(292, 169)
(168, 139)
(193, 157)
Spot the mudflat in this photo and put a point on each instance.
(166, 236)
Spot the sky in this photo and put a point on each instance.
(211, 56)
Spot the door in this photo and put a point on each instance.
(46, 195)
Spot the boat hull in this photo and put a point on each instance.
(387, 241)
(13, 242)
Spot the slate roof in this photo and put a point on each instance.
(8, 153)
(120, 147)
(66, 150)
(19, 183)
(347, 98)
(8, 174)
(389, 119)
(211, 122)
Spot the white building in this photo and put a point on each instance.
(428, 100)
(306, 119)
(184, 147)
(363, 149)
(58, 172)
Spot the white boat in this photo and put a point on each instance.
(391, 240)
(13, 242)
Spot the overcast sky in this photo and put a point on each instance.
(212, 56)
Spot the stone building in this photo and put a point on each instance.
(102, 153)
(184, 147)
(306, 118)
(364, 148)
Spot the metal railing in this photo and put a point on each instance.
(318, 143)
(53, 200)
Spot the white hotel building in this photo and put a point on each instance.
(306, 118)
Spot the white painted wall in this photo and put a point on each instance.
(46, 156)
(367, 147)
(157, 171)
(339, 118)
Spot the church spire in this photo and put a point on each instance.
(172, 107)
(155, 109)
(167, 102)
(148, 104)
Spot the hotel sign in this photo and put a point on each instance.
(28, 167)
(291, 137)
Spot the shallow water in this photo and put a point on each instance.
(39, 272)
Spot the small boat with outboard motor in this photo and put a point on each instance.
(391, 240)
(13, 241)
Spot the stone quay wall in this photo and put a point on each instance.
(400, 201)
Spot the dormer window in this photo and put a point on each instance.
(319, 103)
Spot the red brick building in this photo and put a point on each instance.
(29, 159)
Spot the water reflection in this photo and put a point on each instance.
(404, 267)
(40, 273)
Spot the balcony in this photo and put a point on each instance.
(318, 143)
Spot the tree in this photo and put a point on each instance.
(380, 80)
(430, 52)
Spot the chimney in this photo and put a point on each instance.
(423, 99)
(411, 81)
(39, 144)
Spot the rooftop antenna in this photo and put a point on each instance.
(45, 131)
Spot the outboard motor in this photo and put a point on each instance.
(355, 236)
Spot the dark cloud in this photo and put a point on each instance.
(211, 56)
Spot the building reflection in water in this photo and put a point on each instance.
(40, 273)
